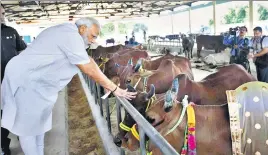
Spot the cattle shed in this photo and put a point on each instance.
(30, 12)
(162, 21)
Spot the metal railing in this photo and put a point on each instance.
(144, 126)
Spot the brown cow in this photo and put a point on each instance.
(110, 66)
(162, 77)
(126, 71)
(210, 42)
(212, 123)
(141, 103)
(101, 51)
(213, 136)
(211, 90)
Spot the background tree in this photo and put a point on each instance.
(139, 27)
(236, 15)
(107, 29)
(263, 12)
(122, 27)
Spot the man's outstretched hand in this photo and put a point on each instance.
(124, 93)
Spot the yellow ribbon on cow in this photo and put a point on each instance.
(135, 133)
(191, 117)
(124, 127)
(104, 61)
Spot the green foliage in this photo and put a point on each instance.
(263, 12)
(122, 27)
(237, 15)
(211, 22)
(107, 29)
(139, 26)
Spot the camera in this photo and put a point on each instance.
(232, 31)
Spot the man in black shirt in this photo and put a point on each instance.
(11, 45)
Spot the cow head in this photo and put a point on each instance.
(141, 104)
(161, 118)
(138, 72)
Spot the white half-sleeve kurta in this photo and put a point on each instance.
(34, 78)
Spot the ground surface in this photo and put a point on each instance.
(84, 138)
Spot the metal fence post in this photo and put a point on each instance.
(106, 102)
(98, 95)
(119, 120)
(142, 141)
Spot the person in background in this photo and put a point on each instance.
(259, 43)
(11, 45)
(229, 41)
(34, 78)
(126, 42)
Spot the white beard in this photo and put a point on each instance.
(86, 42)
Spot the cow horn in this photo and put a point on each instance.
(175, 86)
(130, 62)
(137, 67)
(117, 65)
(168, 101)
(151, 92)
(130, 88)
(138, 64)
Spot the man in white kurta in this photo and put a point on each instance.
(34, 78)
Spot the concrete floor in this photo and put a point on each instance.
(56, 140)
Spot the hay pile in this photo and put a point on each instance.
(84, 138)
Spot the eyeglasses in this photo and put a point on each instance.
(94, 36)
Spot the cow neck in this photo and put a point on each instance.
(184, 125)
(193, 91)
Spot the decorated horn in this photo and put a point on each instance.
(168, 101)
(138, 64)
(175, 86)
(151, 92)
(130, 62)
(137, 67)
(117, 65)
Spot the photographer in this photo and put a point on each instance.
(260, 54)
(235, 42)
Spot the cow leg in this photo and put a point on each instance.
(199, 48)
(191, 52)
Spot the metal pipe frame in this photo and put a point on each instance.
(148, 129)
(144, 126)
(107, 139)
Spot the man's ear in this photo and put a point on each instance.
(82, 29)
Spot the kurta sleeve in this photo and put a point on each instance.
(265, 42)
(73, 46)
